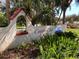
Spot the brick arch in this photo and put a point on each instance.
(19, 12)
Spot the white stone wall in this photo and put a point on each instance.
(8, 38)
(35, 35)
(7, 34)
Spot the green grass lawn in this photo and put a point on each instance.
(74, 31)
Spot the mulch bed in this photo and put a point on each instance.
(22, 53)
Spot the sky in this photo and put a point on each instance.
(74, 9)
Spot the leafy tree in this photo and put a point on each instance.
(3, 20)
(43, 9)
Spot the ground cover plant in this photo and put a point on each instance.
(59, 47)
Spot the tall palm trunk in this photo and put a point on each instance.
(63, 20)
(8, 9)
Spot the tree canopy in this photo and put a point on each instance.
(43, 8)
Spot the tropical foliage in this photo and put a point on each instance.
(3, 20)
(58, 47)
(39, 6)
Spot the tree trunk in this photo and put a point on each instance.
(64, 11)
(8, 9)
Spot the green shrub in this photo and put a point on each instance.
(58, 47)
(3, 20)
(69, 34)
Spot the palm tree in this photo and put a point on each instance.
(63, 4)
(8, 8)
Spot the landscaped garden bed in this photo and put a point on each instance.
(55, 46)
